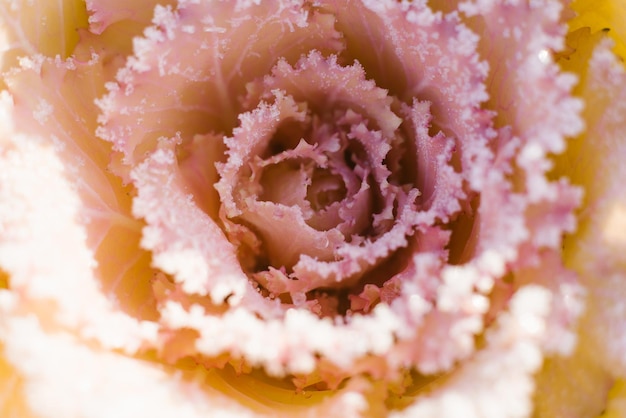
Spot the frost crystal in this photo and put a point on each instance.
(347, 198)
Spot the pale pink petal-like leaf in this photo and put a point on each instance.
(596, 251)
(121, 15)
(498, 381)
(40, 222)
(348, 180)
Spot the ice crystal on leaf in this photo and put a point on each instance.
(334, 174)
(349, 205)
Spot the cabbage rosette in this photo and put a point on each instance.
(295, 207)
(335, 200)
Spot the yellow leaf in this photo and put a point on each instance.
(602, 14)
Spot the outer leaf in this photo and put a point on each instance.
(600, 15)
(596, 251)
(55, 33)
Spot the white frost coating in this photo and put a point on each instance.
(498, 381)
(72, 380)
(230, 289)
(492, 263)
(599, 253)
(615, 225)
(189, 267)
(531, 153)
(43, 111)
(38, 211)
(457, 286)
(302, 335)
(425, 318)
(185, 242)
